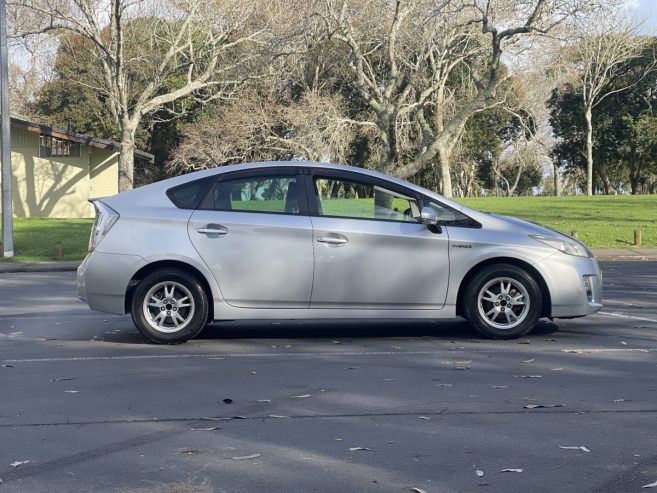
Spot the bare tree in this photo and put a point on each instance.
(606, 44)
(151, 54)
(425, 67)
(260, 127)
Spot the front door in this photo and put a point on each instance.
(371, 251)
(250, 233)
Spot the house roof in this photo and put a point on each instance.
(76, 137)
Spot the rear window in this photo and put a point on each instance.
(189, 195)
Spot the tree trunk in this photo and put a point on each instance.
(589, 151)
(446, 179)
(557, 181)
(127, 160)
(606, 184)
(635, 172)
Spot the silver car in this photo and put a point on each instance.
(296, 240)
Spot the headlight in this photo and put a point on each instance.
(564, 244)
(106, 217)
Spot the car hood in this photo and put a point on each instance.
(522, 226)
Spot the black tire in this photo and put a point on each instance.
(178, 310)
(497, 313)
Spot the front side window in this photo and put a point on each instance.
(344, 198)
(278, 194)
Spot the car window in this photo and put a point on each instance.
(277, 194)
(345, 198)
(188, 195)
(451, 217)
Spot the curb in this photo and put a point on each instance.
(61, 266)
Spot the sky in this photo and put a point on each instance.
(646, 9)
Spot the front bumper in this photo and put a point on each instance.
(103, 278)
(565, 277)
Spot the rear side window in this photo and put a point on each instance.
(189, 195)
(277, 194)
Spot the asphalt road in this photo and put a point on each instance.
(328, 407)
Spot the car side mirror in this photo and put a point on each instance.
(428, 216)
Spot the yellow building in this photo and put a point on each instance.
(55, 172)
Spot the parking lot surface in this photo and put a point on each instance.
(86, 404)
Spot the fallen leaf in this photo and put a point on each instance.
(62, 379)
(500, 386)
(529, 360)
(389, 379)
(228, 401)
(556, 369)
(72, 391)
(205, 429)
(479, 473)
(538, 406)
(8, 366)
(528, 376)
(336, 342)
(512, 470)
(444, 385)
(576, 351)
(418, 490)
(651, 485)
(19, 463)
(623, 343)
(618, 400)
(188, 451)
(304, 396)
(246, 457)
(263, 400)
(354, 449)
(424, 417)
(253, 373)
(276, 416)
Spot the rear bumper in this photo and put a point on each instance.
(103, 278)
(565, 276)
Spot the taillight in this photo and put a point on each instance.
(106, 217)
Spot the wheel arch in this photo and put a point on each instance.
(536, 275)
(169, 264)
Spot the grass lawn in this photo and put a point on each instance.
(34, 239)
(602, 221)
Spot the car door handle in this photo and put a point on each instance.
(333, 240)
(213, 229)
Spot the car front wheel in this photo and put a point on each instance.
(503, 302)
(169, 306)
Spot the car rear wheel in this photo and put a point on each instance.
(169, 306)
(503, 302)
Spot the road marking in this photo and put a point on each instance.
(319, 354)
(621, 315)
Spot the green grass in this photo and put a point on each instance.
(601, 221)
(34, 239)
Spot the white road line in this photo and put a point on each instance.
(621, 315)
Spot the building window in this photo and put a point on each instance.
(56, 147)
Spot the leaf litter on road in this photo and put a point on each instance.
(540, 406)
(18, 463)
(651, 485)
(357, 449)
(303, 396)
(512, 470)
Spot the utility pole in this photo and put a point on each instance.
(5, 140)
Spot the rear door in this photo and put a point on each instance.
(253, 232)
(371, 251)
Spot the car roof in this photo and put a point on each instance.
(155, 190)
